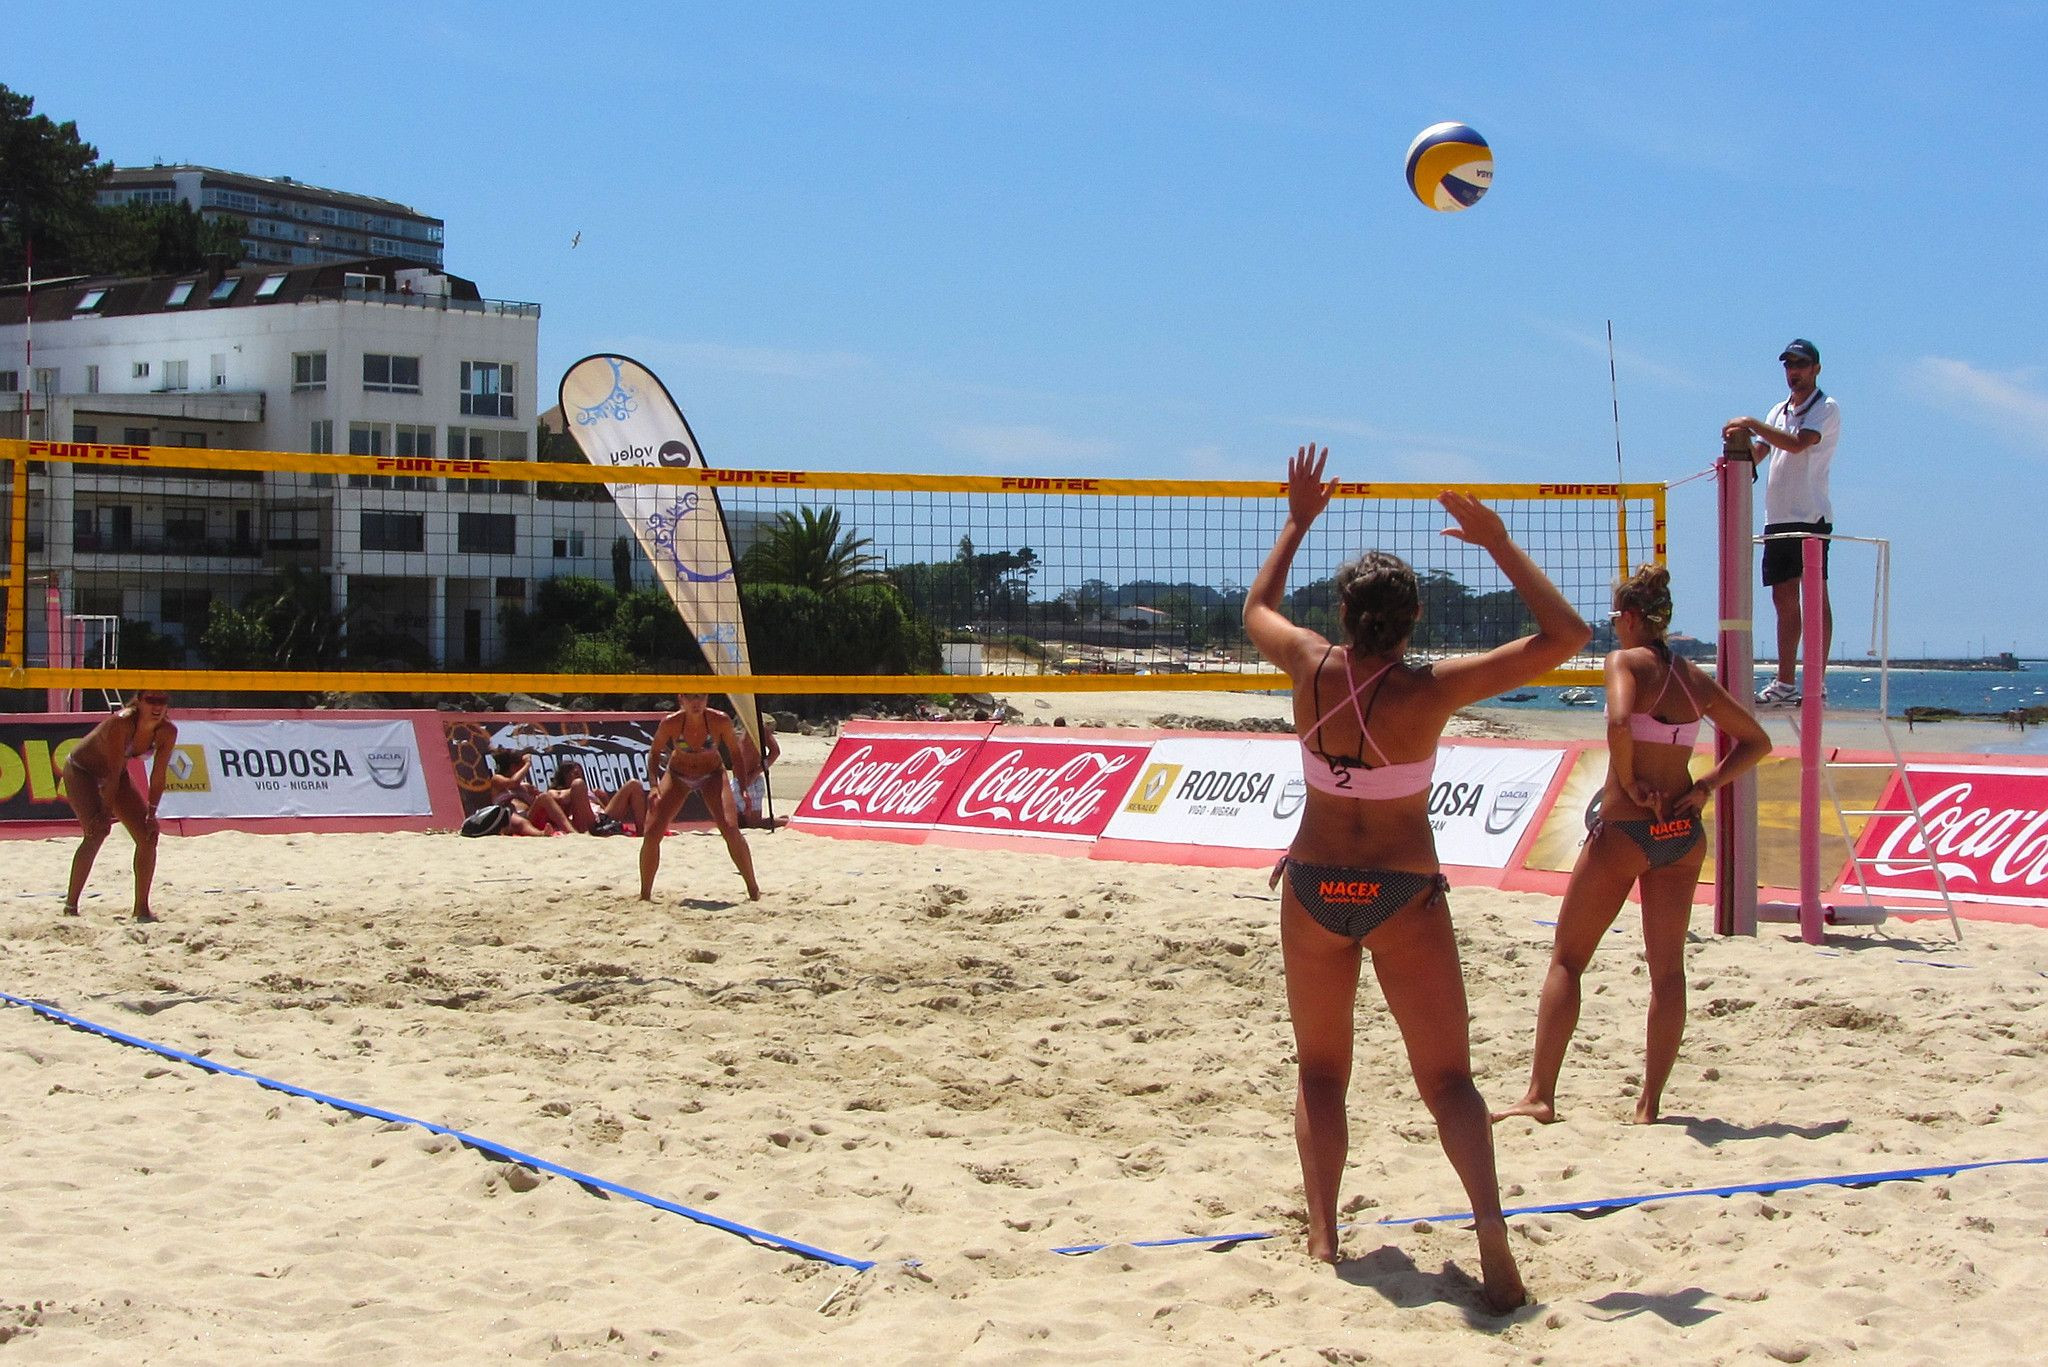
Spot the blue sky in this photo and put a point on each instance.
(1173, 239)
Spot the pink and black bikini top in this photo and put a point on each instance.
(1643, 726)
(1340, 776)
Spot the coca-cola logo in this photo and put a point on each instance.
(878, 787)
(1979, 841)
(1066, 793)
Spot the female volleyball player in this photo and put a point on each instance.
(1648, 835)
(98, 787)
(684, 758)
(1362, 873)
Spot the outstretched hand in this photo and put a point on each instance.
(1307, 493)
(1475, 522)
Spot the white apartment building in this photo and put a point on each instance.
(286, 221)
(374, 357)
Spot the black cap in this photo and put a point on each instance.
(1799, 349)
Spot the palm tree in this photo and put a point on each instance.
(809, 549)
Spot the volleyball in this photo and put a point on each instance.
(1449, 167)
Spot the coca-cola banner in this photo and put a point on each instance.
(893, 780)
(1988, 829)
(1061, 784)
(1247, 794)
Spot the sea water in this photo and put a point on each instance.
(1855, 689)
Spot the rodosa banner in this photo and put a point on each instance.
(620, 414)
(1248, 793)
(295, 769)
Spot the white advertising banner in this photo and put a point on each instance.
(297, 768)
(1247, 794)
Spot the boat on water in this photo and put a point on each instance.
(1519, 695)
(1577, 697)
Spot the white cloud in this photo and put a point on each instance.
(2012, 401)
(1026, 449)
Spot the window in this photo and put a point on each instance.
(413, 441)
(487, 389)
(188, 439)
(486, 533)
(217, 366)
(320, 441)
(488, 443)
(184, 528)
(84, 431)
(140, 371)
(294, 529)
(91, 301)
(391, 374)
(225, 290)
(568, 543)
(92, 379)
(177, 375)
(355, 281)
(309, 370)
(47, 381)
(10, 381)
(366, 439)
(180, 292)
(135, 436)
(394, 531)
(271, 284)
(510, 586)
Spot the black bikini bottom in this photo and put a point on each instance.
(1355, 902)
(1662, 842)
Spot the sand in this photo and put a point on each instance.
(951, 1062)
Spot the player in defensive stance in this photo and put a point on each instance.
(684, 758)
(1362, 875)
(99, 788)
(1648, 836)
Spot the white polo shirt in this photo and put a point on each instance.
(1797, 490)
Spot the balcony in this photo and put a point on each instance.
(95, 543)
(504, 308)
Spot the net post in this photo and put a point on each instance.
(1812, 593)
(14, 651)
(1735, 861)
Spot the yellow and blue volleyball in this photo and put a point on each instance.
(1449, 167)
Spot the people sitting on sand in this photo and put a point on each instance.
(101, 790)
(1362, 875)
(1648, 836)
(593, 811)
(682, 759)
(512, 787)
(750, 772)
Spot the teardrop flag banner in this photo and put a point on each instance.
(620, 414)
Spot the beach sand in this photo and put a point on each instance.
(951, 1062)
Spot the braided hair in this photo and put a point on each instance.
(1378, 599)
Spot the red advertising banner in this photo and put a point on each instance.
(890, 781)
(1064, 785)
(1988, 828)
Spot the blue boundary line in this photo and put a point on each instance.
(1601, 1205)
(488, 1146)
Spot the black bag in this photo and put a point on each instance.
(489, 820)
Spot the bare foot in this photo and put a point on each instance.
(70, 910)
(1323, 1248)
(1542, 1112)
(1646, 1113)
(1504, 1289)
(144, 914)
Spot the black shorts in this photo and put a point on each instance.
(1783, 559)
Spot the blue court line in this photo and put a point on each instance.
(1603, 1204)
(597, 1185)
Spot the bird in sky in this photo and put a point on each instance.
(576, 239)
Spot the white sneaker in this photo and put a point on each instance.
(1778, 693)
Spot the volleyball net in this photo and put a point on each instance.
(237, 571)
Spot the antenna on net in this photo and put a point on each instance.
(1614, 396)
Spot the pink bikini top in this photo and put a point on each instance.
(1643, 726)
(1342, 777)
